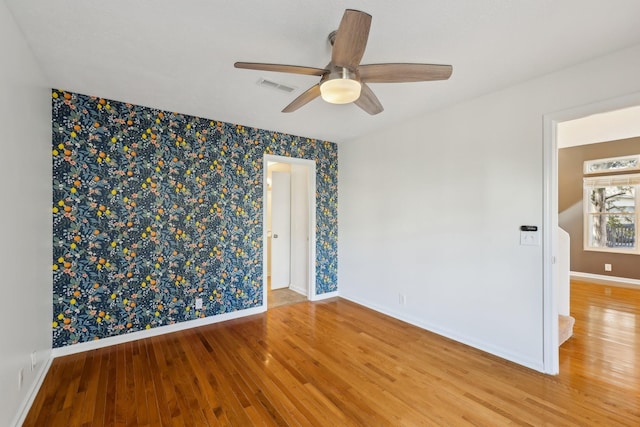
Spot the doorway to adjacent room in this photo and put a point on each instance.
(289, 230)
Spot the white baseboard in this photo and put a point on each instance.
(326, 295)
(32, 393)
(600, 279)
(536, 365)
(133, 336)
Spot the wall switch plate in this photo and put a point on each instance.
(607, 267)
(198, 303)
(529, 238)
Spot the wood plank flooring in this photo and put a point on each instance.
(335, 363)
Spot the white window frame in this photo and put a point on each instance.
(609, 181)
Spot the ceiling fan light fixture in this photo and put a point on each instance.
(345, 79)
(341, 87)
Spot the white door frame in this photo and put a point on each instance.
(311, 187)
(551, 357)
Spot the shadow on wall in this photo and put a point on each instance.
(153, 209)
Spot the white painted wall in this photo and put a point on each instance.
(25, 220)
(432, 209)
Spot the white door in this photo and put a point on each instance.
(280, 230)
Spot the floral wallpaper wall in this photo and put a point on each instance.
(152, 209)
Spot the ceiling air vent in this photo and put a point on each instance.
(274, 85)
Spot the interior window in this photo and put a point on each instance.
(611, 209)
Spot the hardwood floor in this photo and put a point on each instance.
(335, 363)
(604, 351)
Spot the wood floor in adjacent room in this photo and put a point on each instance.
(335, 363)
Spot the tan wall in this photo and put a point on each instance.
(570, 162)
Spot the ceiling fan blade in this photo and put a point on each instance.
(351, 39)
(312, 93)
(368, 101)
(399, 73)
(281, 68)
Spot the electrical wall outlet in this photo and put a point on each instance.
(34, 361)
(607, 267)
(402, 299)
(20, 378)
(198, 303)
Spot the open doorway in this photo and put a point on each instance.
(551, 288)
(289, 230)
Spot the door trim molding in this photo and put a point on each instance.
(311, 191)
(551, 357)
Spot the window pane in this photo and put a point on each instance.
(597, 231)
(612, 231)
(618, 199)
(621, 233)
(606, 165)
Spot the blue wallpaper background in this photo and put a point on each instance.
(152, 209)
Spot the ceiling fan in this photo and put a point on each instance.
(344, 80)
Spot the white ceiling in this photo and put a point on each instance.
(178, 55)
